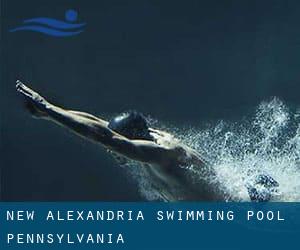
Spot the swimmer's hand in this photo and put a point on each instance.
(35, 103)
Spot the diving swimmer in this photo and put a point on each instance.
(129, 136)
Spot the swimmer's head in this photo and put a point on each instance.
(132, 125)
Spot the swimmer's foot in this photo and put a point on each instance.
(34, 103)
(264, 188)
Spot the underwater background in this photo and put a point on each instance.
(222, 75)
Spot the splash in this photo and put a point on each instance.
(268, 142)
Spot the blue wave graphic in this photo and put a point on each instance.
(53, 23)
(55, 27)
(47, 31)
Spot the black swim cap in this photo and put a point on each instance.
(132, 125)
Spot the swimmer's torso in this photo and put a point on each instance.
(177, 179)
(180, 183)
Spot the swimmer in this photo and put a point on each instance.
(129, 136)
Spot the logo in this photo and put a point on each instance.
(53, 27)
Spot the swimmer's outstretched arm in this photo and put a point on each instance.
(95, 129)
